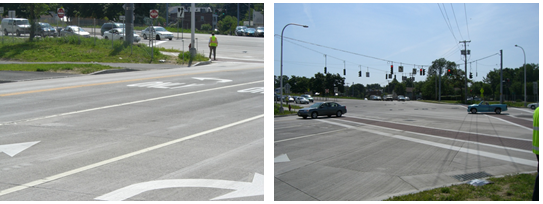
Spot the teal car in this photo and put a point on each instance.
(485, 107)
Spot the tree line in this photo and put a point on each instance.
(452, 86)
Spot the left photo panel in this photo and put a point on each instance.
(132, 102)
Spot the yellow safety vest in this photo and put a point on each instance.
(535, 140)
(213, 42)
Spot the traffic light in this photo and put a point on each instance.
(325, 70)
(449, 71)
(344, 72)
(470, 75)
(386, 76)
(414, 71)
(400, 69)
(421, 72)
(391, 69)
(359, 73)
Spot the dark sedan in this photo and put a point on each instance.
(323, 108)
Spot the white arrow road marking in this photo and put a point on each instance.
(209, 78)
(281, 158)
(253, 90)
(13, 149)
(242, 189)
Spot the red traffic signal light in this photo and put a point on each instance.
(391, 69)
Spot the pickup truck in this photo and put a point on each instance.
(485, 107)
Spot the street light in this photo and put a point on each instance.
(524, 74)
(305, 26)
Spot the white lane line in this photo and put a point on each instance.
(514, 138)
(312, 135)
(130, 103)
(98, 164)
(444, 146)
(529, 129)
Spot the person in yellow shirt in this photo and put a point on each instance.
(535, 149)
(213, 46)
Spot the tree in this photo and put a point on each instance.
(227, 25)
(35, 11)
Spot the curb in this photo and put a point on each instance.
(110, 71)
(203, 63)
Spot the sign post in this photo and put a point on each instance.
(153, 13)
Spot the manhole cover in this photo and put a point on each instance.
(471, 176)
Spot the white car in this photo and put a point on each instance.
(119, 34)
(74, 30)
(533, 106)
(157, 31)
(300, 99)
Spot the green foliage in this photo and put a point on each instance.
(227, 25)
(205, 27)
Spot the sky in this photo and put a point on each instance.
(369, 37)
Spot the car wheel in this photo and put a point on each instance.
(314, 115)
(473, 111)
(338, 114)
(498, 110)
(105, 37)
(170, 38)
(533, 107)
(144, 37)
(5, 32)
(157, 37)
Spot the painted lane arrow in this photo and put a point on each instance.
(13, 149)
(281, 158)
(209, 78)
(242, 189)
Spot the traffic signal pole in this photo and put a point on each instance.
(465, 70)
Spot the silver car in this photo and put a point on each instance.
(119, 34)
(74, 30)
(533, 106)
(157, 31)
(301, 100)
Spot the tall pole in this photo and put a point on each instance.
(192, 50)
(501, 76)
(524, 74)
(305, 26)
(465, 71)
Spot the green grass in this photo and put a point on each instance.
(62, 68)
(74, 49)
(285, 109)
(509, 188)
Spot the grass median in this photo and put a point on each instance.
(294, 109)
(508, 188)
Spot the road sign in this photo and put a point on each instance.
(11, 13)
(121, 18)
(153, 13)
(60, 12)
(180, 13)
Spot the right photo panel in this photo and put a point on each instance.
(406, 101)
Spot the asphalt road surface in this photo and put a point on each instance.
(172, 134)
(380, 149)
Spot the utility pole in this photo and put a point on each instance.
(465, 53)
(501, 76)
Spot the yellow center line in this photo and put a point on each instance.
(115, 82)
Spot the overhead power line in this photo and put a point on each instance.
(354, 53)
(467, 27)
(455, 20)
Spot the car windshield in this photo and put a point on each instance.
(316, 105)
(260, 29)
(45, 25)
(160, 29)
(78, 29)
(119, 25)
(21, 22)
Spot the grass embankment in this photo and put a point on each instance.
(61, 68)
(75, 49)
(294, 109)
(509, 188)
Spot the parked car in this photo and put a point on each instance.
(401, 98)
(119, 34)
(44, 29)
(379, 98)
(250, 32)
(288, 99)
(74, 30)
(485, 107)
(389, 97)
(15, 25)
(308, 97)
(109, 26)
(533, 106)
(240, 30)
(157, 31)
(407, 98)
(322, 108)
(259, 31)
(301, 100)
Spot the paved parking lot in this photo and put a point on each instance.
(381, 149)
